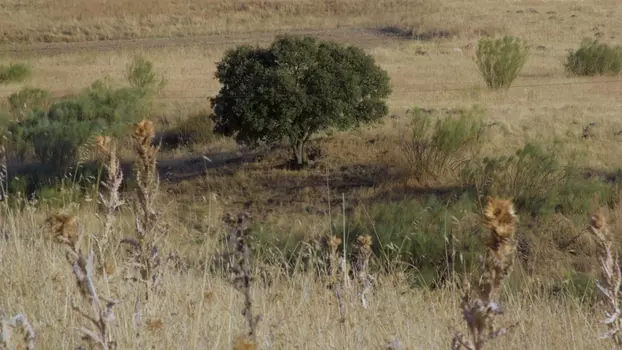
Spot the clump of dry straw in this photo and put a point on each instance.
(478, 305)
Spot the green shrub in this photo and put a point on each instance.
(421, 233)
(440, 145)
(594, 58)
(55, 137)
(537, 181)
(296, 88)
(14, 73)
(28, 100)
(501, 60)
(141, 76)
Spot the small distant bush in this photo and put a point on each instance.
(14, 73)
(197, 128)
(501, 60)
(28, 100)
(440, 145)
(140, 75)
(594, 58)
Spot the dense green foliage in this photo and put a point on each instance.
(295, 88)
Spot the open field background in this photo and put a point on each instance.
(427, 48)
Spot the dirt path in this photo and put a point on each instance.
(364, 37)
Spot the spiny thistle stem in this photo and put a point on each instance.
(19, 322)
(362, 250)
(144, 248)
(240, 267)
(478, 305)
(611, 276)
(107, 155)
(65, 231)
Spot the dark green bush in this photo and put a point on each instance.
(501, 60)
(594, 58)
(295, 88)
(14, 73)
(439, 144)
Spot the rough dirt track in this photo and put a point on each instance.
(364, 37)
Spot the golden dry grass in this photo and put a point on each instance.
(198, 305)
(203, 310)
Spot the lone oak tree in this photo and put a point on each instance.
(295, 88)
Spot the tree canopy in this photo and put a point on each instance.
(295, 88)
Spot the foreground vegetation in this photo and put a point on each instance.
(173, 230)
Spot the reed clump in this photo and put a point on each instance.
(478, 302)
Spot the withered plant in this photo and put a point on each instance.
(478, 302)
(65, 231)
(360, 268)
(144, 251)
(109, 198)
(610, 276)
(240, 265)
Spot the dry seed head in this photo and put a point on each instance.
(144, 131)
(333, 242)
(103, 144)
(364, 242)
(500, 218)
(597, 221)
(64, 228)
(244, 343)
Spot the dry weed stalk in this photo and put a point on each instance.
(107, 155)
(360, 269)
(240, 268)
(478, 305)
(65, 231)
(335, 270)
(611, 276)
(18, 322)
(145, 253)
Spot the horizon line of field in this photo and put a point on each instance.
(469, 86)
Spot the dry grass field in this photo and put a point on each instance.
(361, 177)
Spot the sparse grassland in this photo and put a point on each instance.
(411, 235)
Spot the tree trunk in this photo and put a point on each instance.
(300, 156)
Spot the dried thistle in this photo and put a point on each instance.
(64, 228)
(611, 276)
(360, 269)
(145, 254)
(106, 149)
(19, 322)
(65, 231)
(478, 306)
(240, 268)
